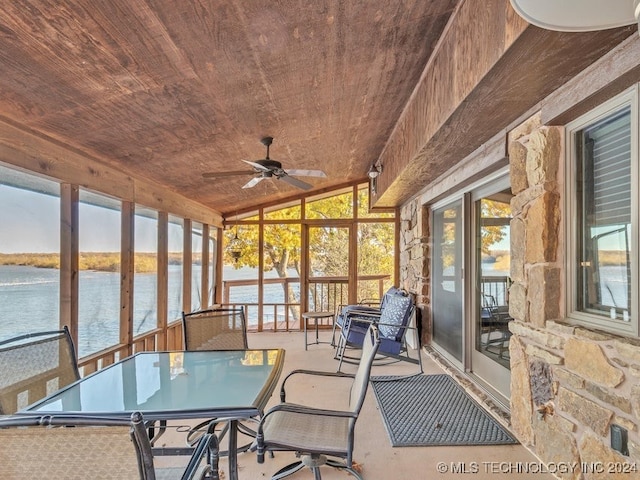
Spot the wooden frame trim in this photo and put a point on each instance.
(612, 74)
(43, 156)
(187, 264)
(127, 271)
(162, 307)
(69, 258)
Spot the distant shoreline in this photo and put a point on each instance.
(96, 261)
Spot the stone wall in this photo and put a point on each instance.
(414, 258)
(569, 384)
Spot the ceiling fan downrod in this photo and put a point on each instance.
(267, 141)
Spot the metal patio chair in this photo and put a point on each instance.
(67, 447)
(313, 433)
(393, 321)
(220, 328)
(368, 307)
(223, 328)
(33, 366)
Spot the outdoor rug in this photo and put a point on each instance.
(431, 410)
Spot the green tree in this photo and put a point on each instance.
(495, 217)
(328, 246)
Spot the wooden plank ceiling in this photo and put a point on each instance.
(167, 90)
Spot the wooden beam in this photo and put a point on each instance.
(187, 265)
(489, 68)
(127, 269)
(69, 259)
(204, 278)
(42, 155)
(612, 74)
(163, 278)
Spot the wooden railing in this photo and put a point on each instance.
(153, 340)
(496, 287)
(325, 294)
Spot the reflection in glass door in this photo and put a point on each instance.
(447, 289)
(490, 355)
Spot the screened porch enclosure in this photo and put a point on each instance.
(314, 256)
(120, 274)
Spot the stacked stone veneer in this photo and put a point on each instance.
(414, 257)
(569, 384)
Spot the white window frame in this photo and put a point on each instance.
(630, 328)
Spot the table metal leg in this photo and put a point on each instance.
(233, 449)
(305, 320)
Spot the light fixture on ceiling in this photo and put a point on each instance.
(578, 15)
(374, 171)
(235, 246)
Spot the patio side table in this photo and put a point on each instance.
(315, 316)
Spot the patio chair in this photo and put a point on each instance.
(316, 433)
(350, 312)
(33, 366)
(495, 334)
(220, 328)
(66, 447)
(393, 321)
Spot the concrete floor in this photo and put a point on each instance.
(373, 452)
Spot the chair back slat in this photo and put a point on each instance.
(361, 380)
(34, 366)
(73, 449)
(215, 329)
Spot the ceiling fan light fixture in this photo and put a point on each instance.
(577, 15)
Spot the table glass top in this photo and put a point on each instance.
(194, 381)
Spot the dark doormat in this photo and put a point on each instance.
(431, 410)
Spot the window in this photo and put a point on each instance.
(196, 266)
(603, 185)
(99, 277)
(175, 241)
(145, 289)
(29, 253)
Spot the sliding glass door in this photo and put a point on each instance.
(492, 259)
(447, 291)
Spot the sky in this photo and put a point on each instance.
(30, 224)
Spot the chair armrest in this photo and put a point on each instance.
(363, 310)
(310, 372)
(296, 408)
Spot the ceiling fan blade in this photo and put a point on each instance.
(257, 166)
(295, 182)
(227, 174)
(296, 172)
(253, 182)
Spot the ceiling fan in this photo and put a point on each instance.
(268, 168)
(578, 15)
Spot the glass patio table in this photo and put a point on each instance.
(233, 385)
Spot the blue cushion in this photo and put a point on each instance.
(396, 311)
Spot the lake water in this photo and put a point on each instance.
(29, 301)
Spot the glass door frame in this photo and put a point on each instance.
(451, 202)
(493, 376)
(495, 182)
